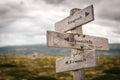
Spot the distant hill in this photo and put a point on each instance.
(30, 49)
(43, 49)
(114, 48)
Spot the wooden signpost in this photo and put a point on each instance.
(83, 46)
(78, 18)
(75, 41)
(78, 61)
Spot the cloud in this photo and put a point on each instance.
(26, 21)
(108, 17)
(10, 9)
(20, 39)
(28, 27)
(54, 1)
(10, 12)
(110, 10)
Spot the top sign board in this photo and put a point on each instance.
(78, 18)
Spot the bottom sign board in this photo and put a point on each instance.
(74, 62)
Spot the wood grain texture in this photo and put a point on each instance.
(79, 74)
(80, 17)
(78, 61)
(76, 41)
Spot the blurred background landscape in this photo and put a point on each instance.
(44, 50)
(37, 62)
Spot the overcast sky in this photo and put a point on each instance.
(26, 21)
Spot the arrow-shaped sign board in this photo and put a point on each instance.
(74, 62)
(76, 41)
(78, 18)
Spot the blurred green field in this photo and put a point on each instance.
(23, 67)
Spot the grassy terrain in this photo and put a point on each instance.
(21, 67)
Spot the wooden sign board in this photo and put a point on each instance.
(76, 41)
(78, 18)
(75, 62)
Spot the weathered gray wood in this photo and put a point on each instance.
(76, 41)
(79, 17)
(77, 30)
(78, 61)
(74, 10)
(79, 74)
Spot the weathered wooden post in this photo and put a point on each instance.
(83, 46)
(77, 74)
